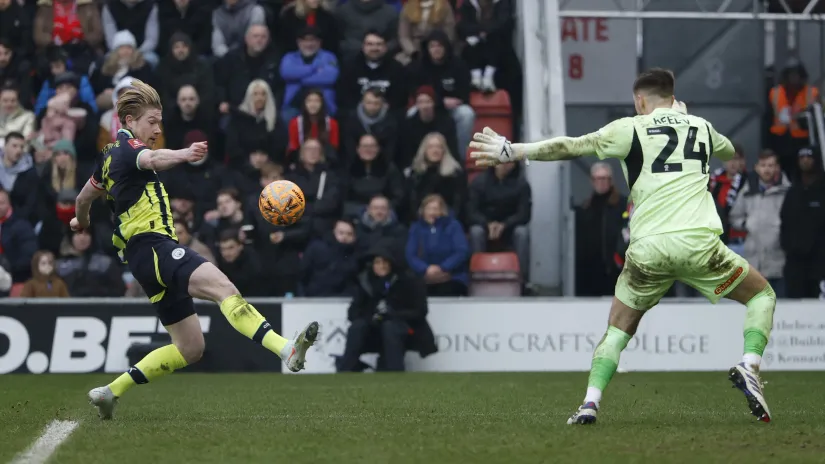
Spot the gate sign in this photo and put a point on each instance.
(598, 57)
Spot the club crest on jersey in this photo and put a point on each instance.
(135, 143)
(178, 253)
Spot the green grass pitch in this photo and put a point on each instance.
(418, 418)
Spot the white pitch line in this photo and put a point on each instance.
(41, 450)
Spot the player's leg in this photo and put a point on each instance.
(209, 283)
(640, 287)
(177, 314)
(721, 273)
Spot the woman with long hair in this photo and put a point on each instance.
(436, 171)
(255, 126)
(419, 18)
(313, 122)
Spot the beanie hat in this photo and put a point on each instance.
(66, 146)
(425, 90)
(123, 38)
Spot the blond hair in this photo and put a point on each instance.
(136, 100)
(270, 113)
(434, 198)
(448, 166)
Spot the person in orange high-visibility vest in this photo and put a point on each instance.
(789, 100)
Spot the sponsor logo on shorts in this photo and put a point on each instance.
(135, 143)
(178, 253)
(730, 281)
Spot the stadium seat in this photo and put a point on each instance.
(16, 290)
(493, 110)
(495, 274)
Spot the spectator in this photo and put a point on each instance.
(390, 303)
(371, 174)
(429, 117)
(419, 18)
(308, 68)
(81, 113)
(137, 17)
(190, 18)
(314, 123)
(58, 211)
(184, 67)
(17, 240)
(124, 60)
(320, 186)
(450, 78)
(484, 27)
(725, 184)
(329, 264)
(359, 18)
(88, 272)
(378, 222)
(757, 212)
(16, 27)
(231, 216)
(58, 66)
(499, 210)
(255, 126)
(13, 117)
(300, 14)
(435, 171)
(44, 282)
(371, 117)
(437, 249)
(109, 123)
(74, 25)
(258, 60)
(599, 224)
(231, 21)
(789, 100)
(240, 264)
(186, 238)
(15, 71)
(59, 183)
(184, 206)
(57, 124)
(372, 68)
(185, 115)
(19, 179)
(802, 232)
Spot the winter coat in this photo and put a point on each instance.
(43, 286)
(322, 190)
(87, 13)
(442, 244)
(229, 25)
(505, 200)
(450, 78)
(357, 18)
(195, 22)
(321, 73)
(357, 76)
(18, 243)
(328, 268)
(758, 213)
(22, 121)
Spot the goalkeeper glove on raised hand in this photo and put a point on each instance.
(491, 149)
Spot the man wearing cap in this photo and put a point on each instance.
(310, 67)
(803, 227)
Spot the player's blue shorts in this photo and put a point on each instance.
(696, 257)
(163, 267)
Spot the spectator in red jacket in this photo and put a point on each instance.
(313, 123)
(725, 184)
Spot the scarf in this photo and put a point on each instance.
(366, 120)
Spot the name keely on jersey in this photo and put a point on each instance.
(669, 120)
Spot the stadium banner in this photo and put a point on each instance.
(94, 335)
(560, 335)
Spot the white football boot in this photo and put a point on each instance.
(586, 414)
(747, 380)
(294, 353)
(104, 400)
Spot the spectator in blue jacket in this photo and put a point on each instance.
(59, 64)
(437, 249)
(309, 67)
(17, 240)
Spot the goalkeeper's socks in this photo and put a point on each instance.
(758, 324)
(162, 361)
(248, 321)
(606, 359)
(593, 395)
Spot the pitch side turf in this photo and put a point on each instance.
(417, 418)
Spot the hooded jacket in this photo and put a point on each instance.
(174, 74)
(328, 268)
(450, 78)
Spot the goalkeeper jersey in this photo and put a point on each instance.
(664, 157)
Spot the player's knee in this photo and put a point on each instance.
(192, 348)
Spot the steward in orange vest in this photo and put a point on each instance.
(789, 100)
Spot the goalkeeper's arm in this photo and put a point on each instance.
(558, 148)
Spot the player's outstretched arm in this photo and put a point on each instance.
(164, 159)
(490, 149)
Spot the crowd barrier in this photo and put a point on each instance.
(80, 336)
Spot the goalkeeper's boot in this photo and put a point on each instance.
(747, 380)
(585, 415)
(104, 400)
(294, 353)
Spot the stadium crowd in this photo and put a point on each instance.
(364, 104)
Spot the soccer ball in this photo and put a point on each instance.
(282, 203)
